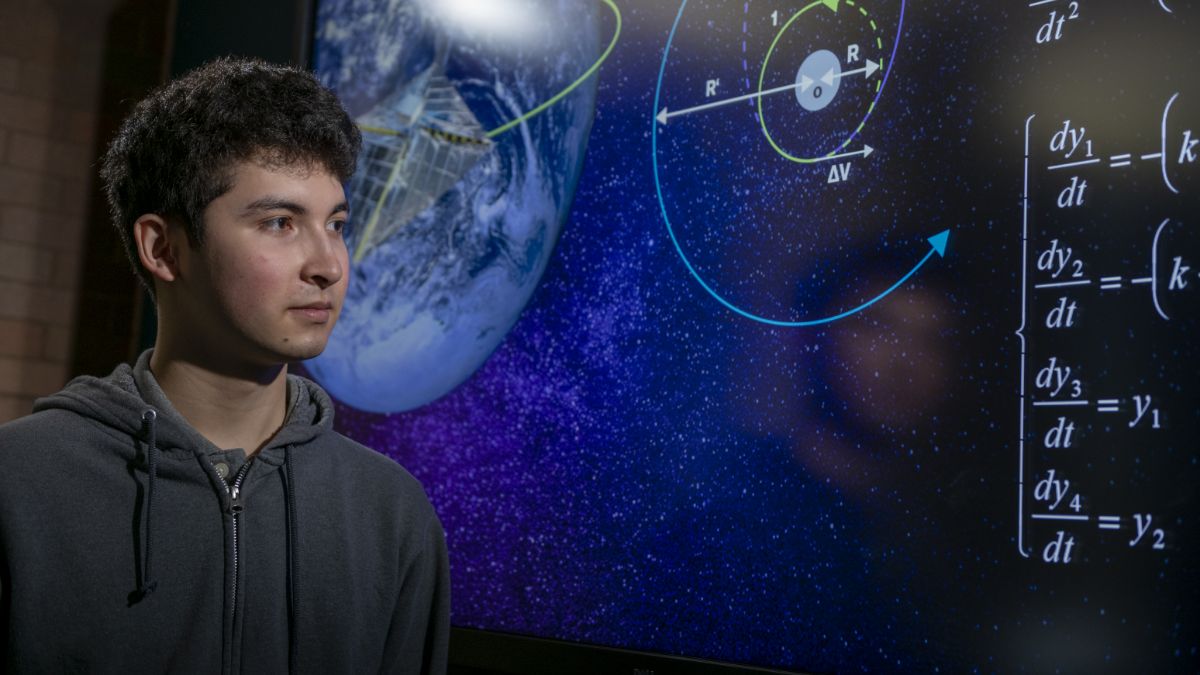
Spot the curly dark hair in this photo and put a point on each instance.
(176, 151)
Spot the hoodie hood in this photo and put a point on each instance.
(121, 399)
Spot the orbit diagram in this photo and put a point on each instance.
(762, 150)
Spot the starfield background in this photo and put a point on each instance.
(638, 465)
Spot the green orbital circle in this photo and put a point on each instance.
(762, 120)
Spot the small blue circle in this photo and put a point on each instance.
(817, 80)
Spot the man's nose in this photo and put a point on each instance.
(324, 262)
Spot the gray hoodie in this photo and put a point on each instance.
(129, 543)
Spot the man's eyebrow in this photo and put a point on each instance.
(280, 204)
(274, 204)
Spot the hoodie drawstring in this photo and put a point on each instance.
(289, 487)
(149, 583)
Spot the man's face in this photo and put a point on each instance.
(266, 286)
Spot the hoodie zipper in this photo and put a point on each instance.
(236, 506)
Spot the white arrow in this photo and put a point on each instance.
(868, 69)
(664, 115)
(805, 83)
(866, 150)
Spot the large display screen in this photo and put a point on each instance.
(823, 336)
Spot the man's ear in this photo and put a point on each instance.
(154, 246)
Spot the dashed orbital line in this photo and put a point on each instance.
(878, 45)
(878, 41)
(832, 5)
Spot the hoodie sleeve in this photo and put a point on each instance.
(418, 638)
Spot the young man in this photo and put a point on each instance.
(196, 512)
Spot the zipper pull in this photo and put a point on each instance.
(234, 488)
(235, 500)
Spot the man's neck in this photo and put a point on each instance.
(232, 411)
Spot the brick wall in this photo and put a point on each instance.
(50, 75)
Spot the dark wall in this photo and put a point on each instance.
(108, 314)
(273, 30)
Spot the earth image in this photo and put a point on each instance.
(463, 184)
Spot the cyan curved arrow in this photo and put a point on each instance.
(937, 244)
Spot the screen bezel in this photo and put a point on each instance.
(479, 651)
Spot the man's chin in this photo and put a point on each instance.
(301, 351)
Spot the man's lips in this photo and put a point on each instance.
(317, 312)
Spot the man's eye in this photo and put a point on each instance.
(280, 223)
(338, 226)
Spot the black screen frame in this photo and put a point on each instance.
(481, 651)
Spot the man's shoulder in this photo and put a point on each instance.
(43, 428)
(370, 473)
(360, 457)
(36, 449)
